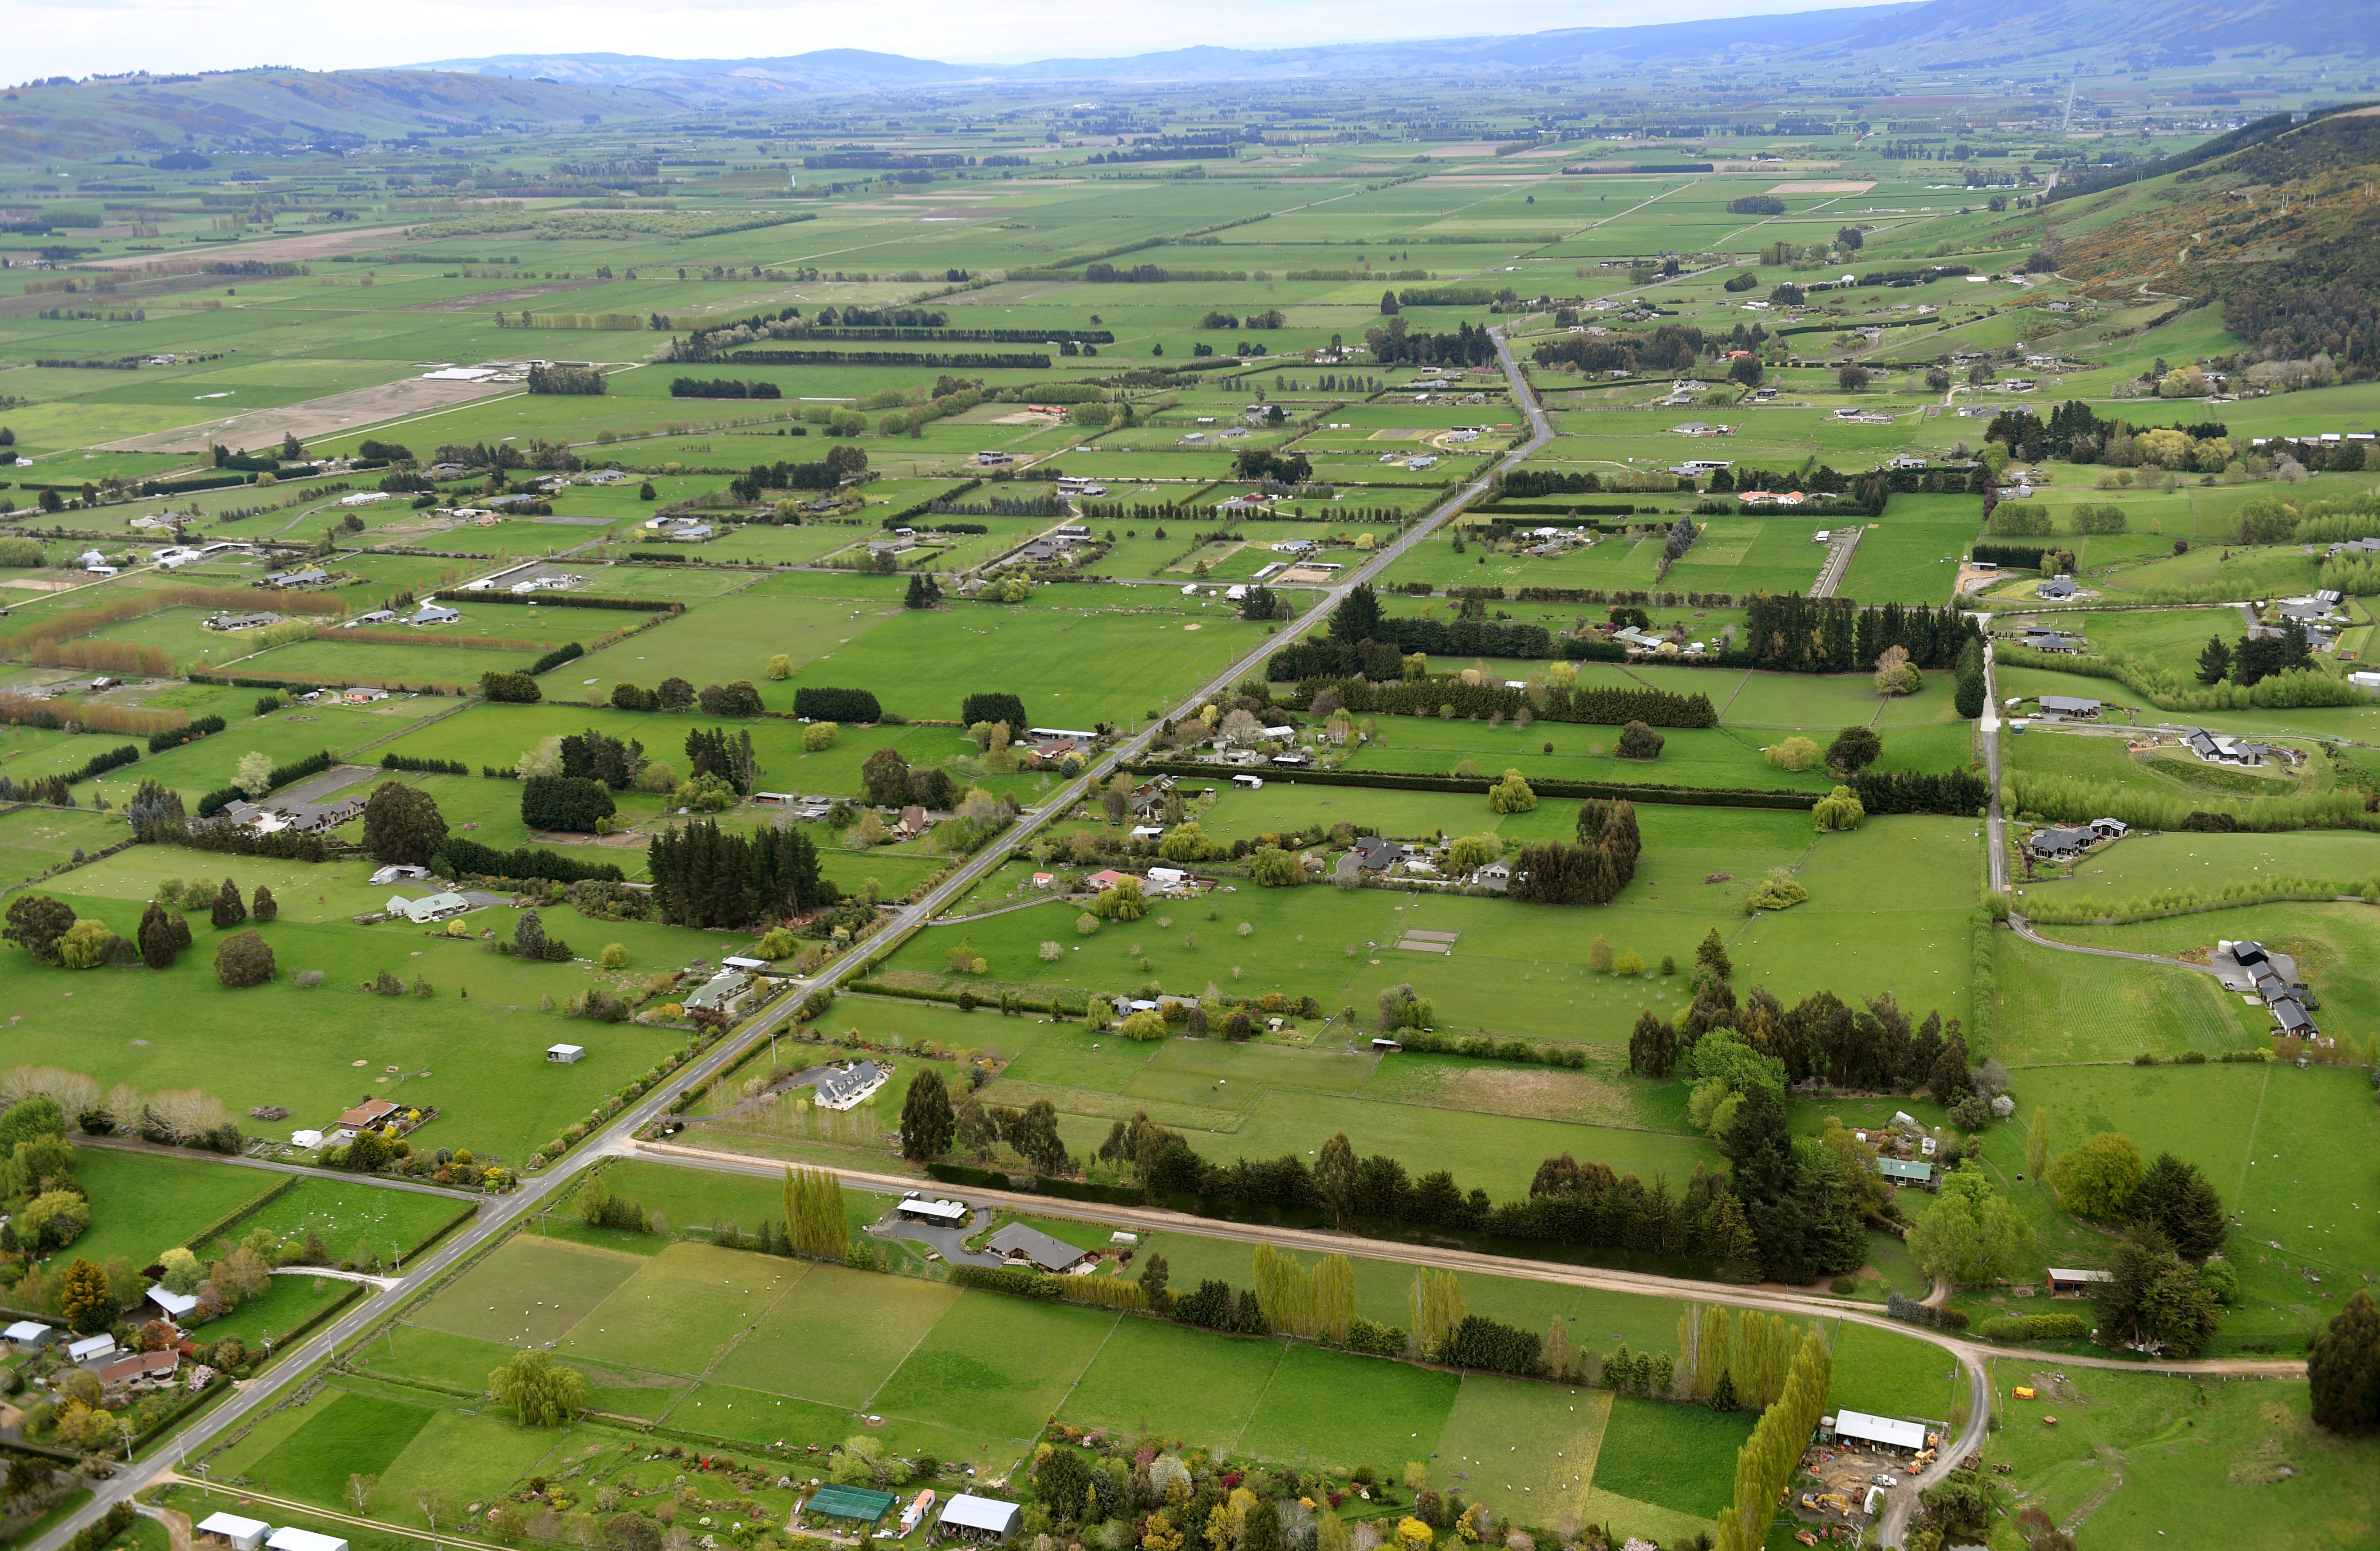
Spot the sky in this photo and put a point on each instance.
(84, 37)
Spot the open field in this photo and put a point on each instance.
(1255, 320)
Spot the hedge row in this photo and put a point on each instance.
(1390, 781)
(565, 601)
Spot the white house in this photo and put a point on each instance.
(433, 907)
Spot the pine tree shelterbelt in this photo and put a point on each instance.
(704, 875)
(1591, 872)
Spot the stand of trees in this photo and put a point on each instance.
(704, 875)
(1794, 633)
(1591, 872)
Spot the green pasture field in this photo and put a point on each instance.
(291, 1301)
(2157, 1460)
(2057, 1006)
(1339, 947)
(1675, 1457)
(2144, 864)
(335, 661)
(1901, 558)
(33, 839)
(349, 1214)
(301, 1048)
(2275, 1142)
(143, 1204)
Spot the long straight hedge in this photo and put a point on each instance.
(1396, 781)
(565, 601)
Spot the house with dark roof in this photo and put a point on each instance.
(1019, 1243)
(2062, 840)
(2068, 704)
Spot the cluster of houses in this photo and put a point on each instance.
(1058, 544)
(2251, 968)
(1904, 1152)
(679, 530)
(272, 815)
(121, 1374)
(532, 577)
(2065, 841)
(2321, 614)
(390, 1119)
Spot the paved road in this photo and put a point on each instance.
(500, 1215)
(2025, 929)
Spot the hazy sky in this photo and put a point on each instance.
(82, 37)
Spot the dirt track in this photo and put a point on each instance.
(353, 410)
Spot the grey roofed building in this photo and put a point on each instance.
(2292, 1018)
(2068, 704)
(2063, 841)
(838, 1090)
(2058, 587)
(1017, 1242)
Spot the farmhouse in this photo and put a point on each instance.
(371, 1114)
(2069, 1283)
(725, 993)
(847, 1088)
(986, 1520)
(1017, 1243)
(431, 907)
(2215, 748)
(1906, 1171)
(241, 622)
(141, 1370)
(435, 613)
(2056, 589)
(2067, 705)
(2062, 840)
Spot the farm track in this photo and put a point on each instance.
(501, 1215)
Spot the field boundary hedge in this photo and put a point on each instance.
(565, 601)
(1393, 781)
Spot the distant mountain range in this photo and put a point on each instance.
(1931, 35)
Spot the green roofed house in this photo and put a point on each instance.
(859, 1505)
(1904, 1172)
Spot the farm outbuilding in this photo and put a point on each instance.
(1880, 1432)
(291, 1538)
(856, 1504)
(985, 1520)
(240, 1535)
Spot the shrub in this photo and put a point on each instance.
(245, 959)
(819, 736)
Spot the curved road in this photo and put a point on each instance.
(499, 1215)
